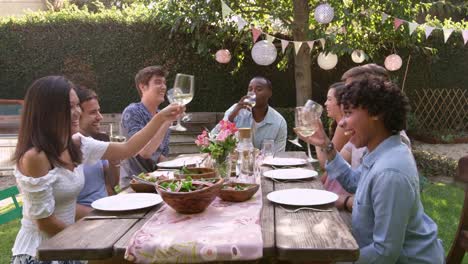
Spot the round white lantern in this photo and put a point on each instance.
(324, 13)
(358, 56)
(264, 53)
(223, 56)
(393, 62)
(327, 61)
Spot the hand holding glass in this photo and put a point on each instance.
(182, 93)
(305, 121)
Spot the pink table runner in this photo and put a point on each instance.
(224, 231)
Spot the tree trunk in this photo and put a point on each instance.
(302, 73)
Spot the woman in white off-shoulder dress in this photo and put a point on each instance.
(49, 156)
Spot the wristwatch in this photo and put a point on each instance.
(328, 148)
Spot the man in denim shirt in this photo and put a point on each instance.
(150, 83)
(388, 219)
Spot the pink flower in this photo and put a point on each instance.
(202, 139)
(223, 134)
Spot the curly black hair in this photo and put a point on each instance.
(380, 98)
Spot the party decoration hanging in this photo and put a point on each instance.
(428, 30)
(264, 53)
(358, 56)
(311, 45)
(324, 13)
(447, 33)
(384, 17)
(393, 62)
(297, 46)
(223, 56)
(465, 36)
(397, 23)
(327, 61)
(255, 34)
(284, 45)
(412, 27)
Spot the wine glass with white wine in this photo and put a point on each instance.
(305, 121)
(182, 93)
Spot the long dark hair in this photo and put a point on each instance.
(339, 87)
(46, 121)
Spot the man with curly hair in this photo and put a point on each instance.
(388, 219)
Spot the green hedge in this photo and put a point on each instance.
(105, 50)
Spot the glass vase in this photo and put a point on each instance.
(222, 166)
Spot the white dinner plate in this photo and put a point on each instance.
(302, 197)
(180, 162)
(290, 174)
(127, 201)
(284, 161)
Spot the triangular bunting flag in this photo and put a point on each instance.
(270, 38)
(397, 23)
(412, 27)
(241, 23)
(465, 35)
(311, 45)
(297, 46)
(384, 17)
(255, 33)
(284, 45)
(447, 33)
(428, 31)
(322, 42)
(226, 11)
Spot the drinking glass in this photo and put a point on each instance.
(268, 148)
(305, 121)
(182, 93)
(251, 99)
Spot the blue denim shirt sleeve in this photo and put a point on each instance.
(393, 198)
(340, 170)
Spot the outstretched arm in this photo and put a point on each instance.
(119, 151)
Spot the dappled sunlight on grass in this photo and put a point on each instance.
(443, 203)
(8, 233)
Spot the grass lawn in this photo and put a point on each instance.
(442, 202)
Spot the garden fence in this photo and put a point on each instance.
(441, 109)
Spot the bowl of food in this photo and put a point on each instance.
(238, 192)
(144, 182)
(189, 196)
(195, 173)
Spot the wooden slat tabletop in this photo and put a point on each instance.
(309, 235)
(303, 236)
(88, 239)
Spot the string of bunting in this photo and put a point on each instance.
(412, 26)
(264, 52)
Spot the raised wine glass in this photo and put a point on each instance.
(182, 93)
(305, 121)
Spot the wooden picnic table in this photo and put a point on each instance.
(302, 236)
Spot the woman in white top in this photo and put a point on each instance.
(48, 157)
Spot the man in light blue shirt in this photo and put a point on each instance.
(388, 220)
(266, 122)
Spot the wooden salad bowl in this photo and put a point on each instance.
(197, 173)
(141, 187)
(229, 194)
(190, 202)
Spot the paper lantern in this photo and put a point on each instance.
(223, 56)
(393, 62)
(358, 56)
(264, 53)
(324, 13)
(327, 61)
